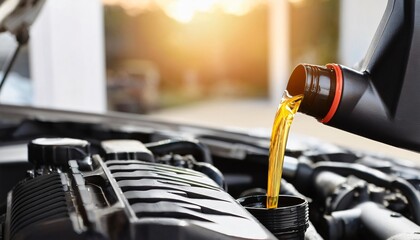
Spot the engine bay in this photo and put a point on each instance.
(108, 177)
(73, 175)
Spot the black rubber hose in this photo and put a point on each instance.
(183, 147)
(212, 172)
(378, 178)
(288, 189)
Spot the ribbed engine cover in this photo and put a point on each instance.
(126, 200)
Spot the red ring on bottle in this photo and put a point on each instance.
(338, 92)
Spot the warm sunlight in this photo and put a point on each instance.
(184, 10)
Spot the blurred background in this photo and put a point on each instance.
(218, 63)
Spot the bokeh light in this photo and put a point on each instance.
(184, 11)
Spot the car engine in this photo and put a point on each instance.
(70, 175)
(81, 180)
(128, 194)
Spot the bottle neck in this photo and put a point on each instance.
(321, 88)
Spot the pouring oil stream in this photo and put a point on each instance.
(289, 105)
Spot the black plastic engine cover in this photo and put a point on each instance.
(126, 199)
(38, 209)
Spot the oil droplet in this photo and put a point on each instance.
(289, 105)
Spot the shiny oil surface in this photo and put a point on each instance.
(289, 105)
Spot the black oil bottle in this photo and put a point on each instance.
(381, 100)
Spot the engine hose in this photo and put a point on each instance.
(200, 152)
(376, 177)
(288, 189)
(212, 172)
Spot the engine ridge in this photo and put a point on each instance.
(124, 199)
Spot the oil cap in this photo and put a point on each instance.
(288, 221)
(56, 152)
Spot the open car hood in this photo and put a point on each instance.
(18, 15)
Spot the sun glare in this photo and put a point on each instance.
(181, 10)
(184, 10)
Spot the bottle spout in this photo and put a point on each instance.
(321, 87)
